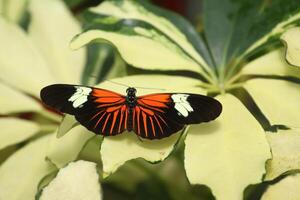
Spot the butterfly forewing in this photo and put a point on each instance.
(153, 116)
(101, 111)
(160, 115)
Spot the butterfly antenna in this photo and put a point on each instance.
(135, 87)
(116, 83)
(151, 88)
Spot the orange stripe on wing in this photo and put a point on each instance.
(99, 120)
(152, 124)
(98, 113)
(150, 107)
(137, 108)
(133, 118)
(126, 113)
(145, 123)
(114, 121)
(103, 128)
(101, 105)
(154, 103)
(113, 108)
(121, 118)
(105, 93)
(157, 97)
(108, 99)
(158, 123)
(147, 111)
(162, 119)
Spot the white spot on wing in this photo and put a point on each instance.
(80, 96)
(181, 104)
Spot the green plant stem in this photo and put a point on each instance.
(48, 128)
(232, 70)
(233, 79)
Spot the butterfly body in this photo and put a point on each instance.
(152, 116)
(131, 103)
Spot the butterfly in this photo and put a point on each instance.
(152, 116)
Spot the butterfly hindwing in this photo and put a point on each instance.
(160, 115)
(101, 111)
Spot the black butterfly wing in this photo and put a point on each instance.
(160, 115)
(101, 111)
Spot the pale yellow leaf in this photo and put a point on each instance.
(21, 173)
(147, 84)
(63, 150)
(287, 189)
(116, 150)
(13, 101)
(279, 100)
(133, 10)
(77, 181)
(292, 40)
(52, 27)
(285, 145)
(14, 130)
(272, 63)
(14, 10)
(1, 7)
(148, 51)
(21, 64)
(227, 154)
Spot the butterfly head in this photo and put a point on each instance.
(131, 91)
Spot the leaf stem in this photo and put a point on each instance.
(51, 116)
(233, 79)
(48, 128)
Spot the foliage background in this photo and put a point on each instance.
(240, 47)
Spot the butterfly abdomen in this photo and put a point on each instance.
(130, 119)
(131, 103)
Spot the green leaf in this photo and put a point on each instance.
(90, 151)
(21, 173)
(271, 64)
(279, 28)
(20, 62)
(231, 28)
(291, 39)
(117, 150)
(160, 19)
(165, 20)
(103, 62)
(14, 130)
(51, 32)
(288, 188)
(73, 3)
(285, 147)
(66, 149)
(13, 10)
(13, 101)
(227, 154)
(79, 180)
(132, 28)
(161, 53)
(68, 122)
(284, 97)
